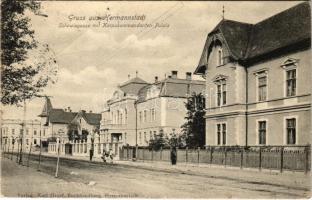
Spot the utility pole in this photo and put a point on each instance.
(22, 134)
(58, 156)
(39, 160)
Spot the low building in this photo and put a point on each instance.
(140, 110)
(258, 80)
(56, 122)
(12, 132)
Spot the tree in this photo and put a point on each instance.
(72, 131)
(159, 141)
(193, 130)
(27, 65)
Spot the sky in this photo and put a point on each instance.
(92, 61)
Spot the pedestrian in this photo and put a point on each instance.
(173, 155)
(104, 155)
(111, 155)
(91, 153)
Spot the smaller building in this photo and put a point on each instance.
(12, 132)
(56, 122)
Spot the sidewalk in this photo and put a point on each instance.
(298, 180)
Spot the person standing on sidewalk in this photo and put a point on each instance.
(91, 152)
(173, 155)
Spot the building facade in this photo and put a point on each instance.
(12, 132)
(139, 110)
(56, 122)
(258, 80)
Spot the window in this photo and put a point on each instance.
(221, 93)
(13, 131)
(188, 90)
(140, 116)
(145, 116)
(218, 134)
(262, 88)
(291, 130)
(221, 134)
(224, 134)
(35, 132)
(140, 138)
(220, 57)
(145, 138)
(126, 116)
(44, 131)
(27, 131)
(27, 142)
(117, 117)
(262, 132)
(153, 114)
(291, 82)
(151, 135)
(125, 137)
(35, 141)
(21, 131)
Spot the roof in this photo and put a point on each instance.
(248, 41)
(134, 80)
(133, 85)
(92, 118)
(46, 108)
(288, 27)
(173, 87)
(60, 116)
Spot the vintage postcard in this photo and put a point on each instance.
(156, 99)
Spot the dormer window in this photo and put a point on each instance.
(220, 57)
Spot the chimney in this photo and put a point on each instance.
(169, 76)
(83, 111)
(68, 108)
(174, 74)
(156, 79)
(188, 76)
(90, 111)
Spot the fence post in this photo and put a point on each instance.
(161, 153)
(260, 160)
(282, 159)
(211, 150)
(198, 150)
(242, 157)
(306, 150)
(224, 150)
(186, 156)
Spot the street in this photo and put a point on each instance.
(84, 179)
